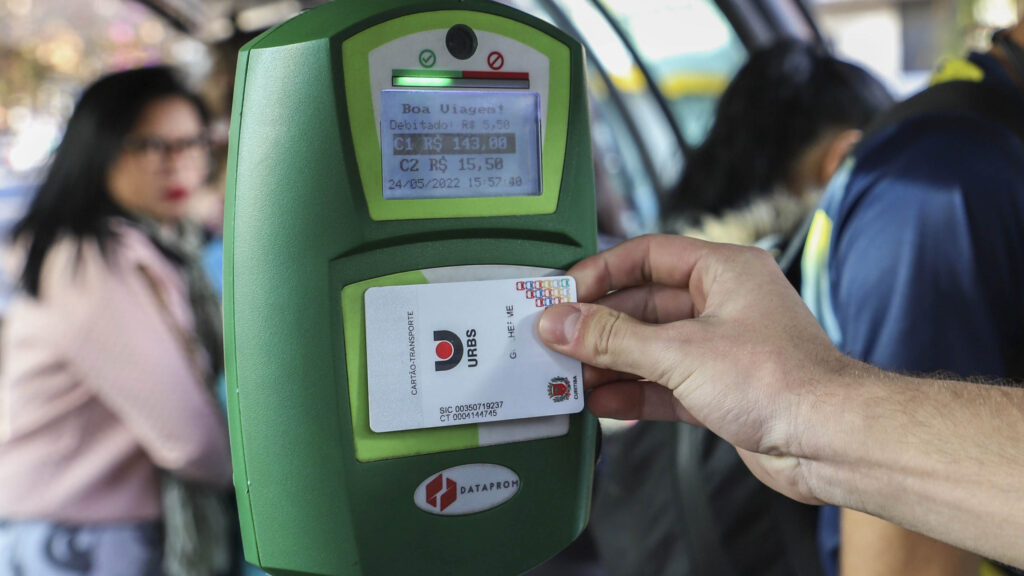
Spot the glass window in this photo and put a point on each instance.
(920, 25)
(627, 200)
(632, 140)
(692, 52)
(608, 50)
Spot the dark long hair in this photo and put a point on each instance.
(780, 102)
(74, 198)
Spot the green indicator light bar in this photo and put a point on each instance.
(421, 81)
(427, 73)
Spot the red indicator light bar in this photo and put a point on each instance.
(482, 74)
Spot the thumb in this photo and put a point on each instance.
(603, 337)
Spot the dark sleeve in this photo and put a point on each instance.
(926, 267)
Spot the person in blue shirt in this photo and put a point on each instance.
(914, 263)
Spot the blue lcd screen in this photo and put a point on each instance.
(459, 143)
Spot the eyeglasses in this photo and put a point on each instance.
(153, 148)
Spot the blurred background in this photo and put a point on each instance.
(655, 64)
(50, 48)
(656, 69)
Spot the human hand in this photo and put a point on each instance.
(673, 328)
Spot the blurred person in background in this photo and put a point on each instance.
(781, 129)
(114, 456)
(206, 207)
(914, 265)
(783, 125)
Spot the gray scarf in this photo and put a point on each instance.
(196, 522)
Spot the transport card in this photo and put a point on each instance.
(466, 352)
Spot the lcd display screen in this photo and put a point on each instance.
(459, 143)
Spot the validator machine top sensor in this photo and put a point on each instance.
(407, 180)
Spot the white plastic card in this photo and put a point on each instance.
(466, 352)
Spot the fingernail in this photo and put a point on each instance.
(558, 324)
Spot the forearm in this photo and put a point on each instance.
(715, 335)
(943, 458)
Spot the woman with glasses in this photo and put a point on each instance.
(113, 450)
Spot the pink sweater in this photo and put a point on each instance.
(97, 391)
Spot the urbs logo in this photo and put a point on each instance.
(449, 349)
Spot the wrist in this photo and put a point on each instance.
(829, 426)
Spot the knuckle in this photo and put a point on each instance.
(605, 331)
(651, 312)
(759, 256)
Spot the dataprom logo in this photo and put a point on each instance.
(466, 489)
(442, 492)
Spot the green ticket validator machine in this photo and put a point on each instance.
(396, 142)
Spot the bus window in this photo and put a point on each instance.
(691, 50)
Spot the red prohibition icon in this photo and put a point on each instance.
(495, 60)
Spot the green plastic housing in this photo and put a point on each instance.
(298, 230)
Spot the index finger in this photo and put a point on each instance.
(659, 259)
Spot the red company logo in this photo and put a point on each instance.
(446, 488)
(558, 388)
(448, 350)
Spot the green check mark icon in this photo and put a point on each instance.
(428, 58)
